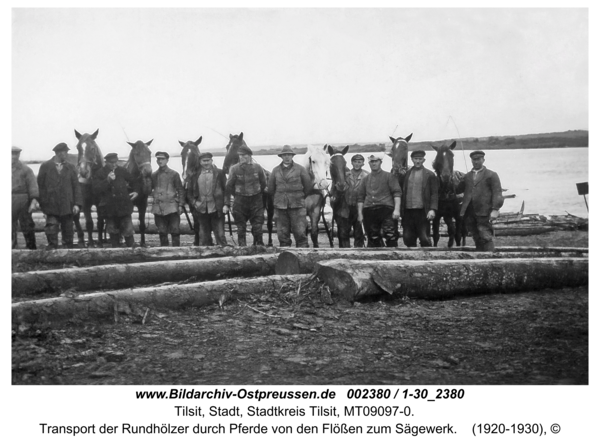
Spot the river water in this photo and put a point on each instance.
(545, 179)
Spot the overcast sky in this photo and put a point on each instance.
(293, 76)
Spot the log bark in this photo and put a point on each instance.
(118, 276)
(352, 280)
(302, 261)
(136, 301)
(93, 257)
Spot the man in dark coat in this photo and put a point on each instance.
(168, 200)
(206, 193)
(353, 178)
(60, 196)
(25, 197)
(115, 186)
(289, 184)
(482, 201)
(420, 201)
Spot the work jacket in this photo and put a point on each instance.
(246, 179)
(59, 192)
(379, 189)
(167, 191)
(429, 189)
(114, 195)
(289, 186)
(217, 190)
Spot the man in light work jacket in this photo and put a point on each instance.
(289, 184)
(168, 199)
(482, 201)
(379, 198)
(420, 201)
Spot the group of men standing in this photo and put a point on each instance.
(377, 200)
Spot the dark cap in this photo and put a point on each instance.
(61, 147)
(357, 158)
(244, 151)
(162, 154)
(477, 154)
(417, 154)
(286, 150)
(16, 149)
(206, 154)
(111, 157)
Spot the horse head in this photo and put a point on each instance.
(338, 167)
(443, 164)
(190, 157)
(140, 158)
(317, 161)
(399, 153)
(89, 155)
(232, 157)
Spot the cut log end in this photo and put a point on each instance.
(287, 264)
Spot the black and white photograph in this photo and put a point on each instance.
(300, 196)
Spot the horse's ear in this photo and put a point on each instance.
(407, 138)
(452, 145)
(325, 147)
(345, 150)
(198, 141)
(329, 149)
(77, 134)
(132, 144)
(95, 134)
(149, 142)
(241, 135)
(181, 143)
(435, 148)
(392, 139)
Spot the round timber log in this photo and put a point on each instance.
(352, 280)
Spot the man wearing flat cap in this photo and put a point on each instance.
(60, 196)
(117, 189)
(379, 198)
(289, 184)
(420, 201)
(246, 183)
(482, 201)
(168, 200)
(25, 197)
(354, 177)
(206, 194)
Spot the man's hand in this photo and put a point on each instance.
(133, 195)
(396, 215)
(494, 215)
(33, 206)
(111, 176)
(431, 215)
(75, 209)
(225, 209)
(359, 217)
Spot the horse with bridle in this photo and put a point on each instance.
(448, 201)
(338, 196)
(316, 161)
(232, 157)
(190, 163)
(139, 166)
(89, 161)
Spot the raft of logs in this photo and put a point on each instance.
(105, 282)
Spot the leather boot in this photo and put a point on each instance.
(52, 241)
(30, 241)
(175, 240)
(129, 241)
(114, 240)
(164, 240)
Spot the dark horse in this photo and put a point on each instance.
(399, 155)
(338, 194)
(448, 201)
(89, 161)
(231, 158)
(140, 167)
(190, 163)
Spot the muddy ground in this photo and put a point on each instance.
(304, 338)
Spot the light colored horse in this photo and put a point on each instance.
(316, 161)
